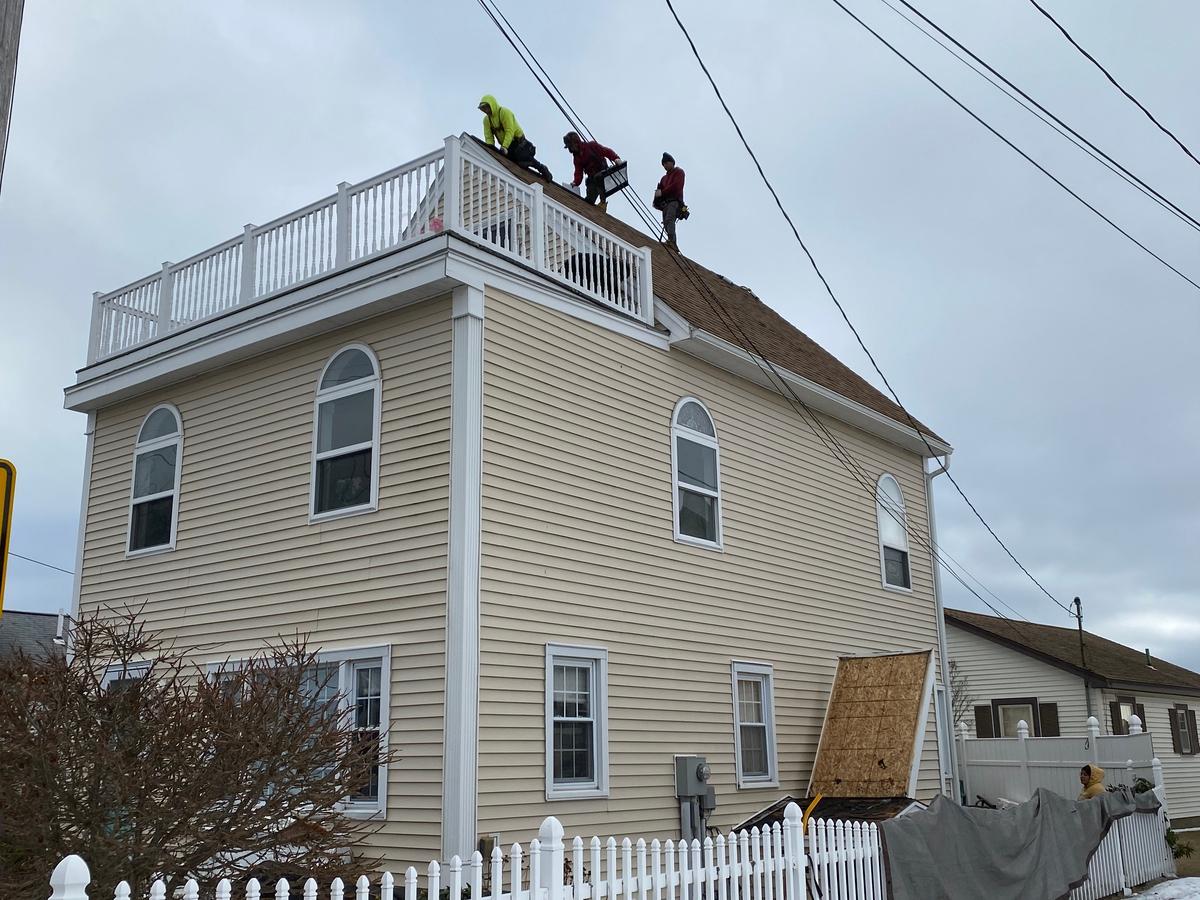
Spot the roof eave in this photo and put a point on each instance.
(728, 356)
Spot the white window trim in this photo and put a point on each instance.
(599, 657)
(879, 535)
(346, 660)
(375, 383)
(767, 672)
(120, 672)
(714, 442)
(139, 448)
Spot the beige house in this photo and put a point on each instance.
(513, 467)
(1018, 671)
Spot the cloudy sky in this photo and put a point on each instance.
(1059, 359)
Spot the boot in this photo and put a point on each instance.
(603, 206)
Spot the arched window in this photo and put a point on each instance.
(893, 533)
(154, 496)
(346, 439)
(697, 471)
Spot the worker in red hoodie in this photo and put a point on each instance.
(668, 197)
(589, 159)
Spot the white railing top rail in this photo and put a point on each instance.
(481, 200)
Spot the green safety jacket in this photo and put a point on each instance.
(499, 125)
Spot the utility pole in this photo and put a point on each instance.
(1087, 687)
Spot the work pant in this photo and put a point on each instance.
(521, 151)
(670, 212)
(595, 187)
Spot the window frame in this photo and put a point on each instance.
(1179, 716)
(765, 672)
(597, 657)
(880, 511)
(132, 671)
(324, 395)
(714, 442)
(140, 447)
(348, 661)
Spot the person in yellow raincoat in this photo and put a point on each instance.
(1092, 779)
(500, 127)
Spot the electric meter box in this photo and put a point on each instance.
(691, 776)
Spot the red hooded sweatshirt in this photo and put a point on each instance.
(589, 159)
(671, 185)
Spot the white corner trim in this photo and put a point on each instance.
(461, 748)
(732, 358)
(77, 582)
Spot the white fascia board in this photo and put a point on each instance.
(723, 354)
(679, 328)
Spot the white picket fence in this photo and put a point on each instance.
(1013, 768)
(451, 189)
(834, 860)
(775, 863)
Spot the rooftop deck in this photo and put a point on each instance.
(456, 188)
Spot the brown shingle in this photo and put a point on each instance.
(1106, 659)
(774, 337)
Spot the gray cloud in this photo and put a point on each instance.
(1059, 359)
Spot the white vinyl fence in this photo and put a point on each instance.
(834, 860)
(844, 858)
(1000, 769)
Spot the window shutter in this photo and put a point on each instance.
(983, 722)
(1118, 724)
(1174, 716)
(1048, 713)
(1140, 712)
(1191, 727)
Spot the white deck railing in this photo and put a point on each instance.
(479, 200)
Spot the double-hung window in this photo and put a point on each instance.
(697, 475)
(154, 494)
(754, 725)
(345, 472)
(576, 722)
(893, 534)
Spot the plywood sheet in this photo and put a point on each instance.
(874, 726)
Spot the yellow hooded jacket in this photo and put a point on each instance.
(1095, 784)
(499, 125)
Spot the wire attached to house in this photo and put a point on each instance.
(830, 440)
(1023, 99)
(1134, 100)
(828, 288)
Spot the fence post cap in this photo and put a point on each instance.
(551, 830)
(1022, 729)
(792, 812)
(1093, 722)
(71, 873)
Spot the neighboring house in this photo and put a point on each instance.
(1021, 670)
(511, 471)
(29, 631)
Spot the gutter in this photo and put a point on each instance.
(943, 652)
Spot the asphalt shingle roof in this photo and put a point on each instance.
(776, 338)
(1106, 659)
(32, 632)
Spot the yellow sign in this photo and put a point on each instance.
(8, 484)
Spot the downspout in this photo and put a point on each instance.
(943, 653)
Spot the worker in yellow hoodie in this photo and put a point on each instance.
(500, 127)
(1092, 779)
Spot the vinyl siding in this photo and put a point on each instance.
(995, 672)
(248, 567)
(1180, 773)
(578, 548)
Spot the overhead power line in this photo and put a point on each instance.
(1132, 99)
(1023, 99)
(40, 563)
(830, 440)
(829, 289)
